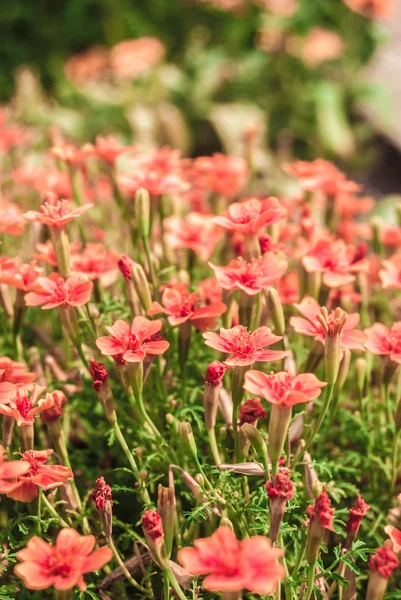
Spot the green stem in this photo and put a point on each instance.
(142, 486)
(123, 568)
(213, 446)
(311, 582)
(143, 412)
(300, 558)
(53, 511)
(176, 586)
(149, 259)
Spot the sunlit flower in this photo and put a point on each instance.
(308, 324)
(55, 291)
(251, 214)
(383, 340)
(56, 213)
(244, 346)
(40, 475)
(195, 232)
(63, 565)
(282, 388)
(23, 406)
(321, 176)
(134, 342)
(11, 219)
(223, 175)
(335, 260)
(390, 275)
(250, 277)
(130, 59)
(288, 287)
(107, 148)
(232, 565)
(15, 372)
(395, 536)
(180, 305)
(209, 290)
(10, 470)
(45, 252)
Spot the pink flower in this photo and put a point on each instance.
(95, 262)
(181, 305)
(45, 252)
(134, 342)
(282, 388)
(9, 471)
(321, 176)
(215, 373)
(395, 536)
(106, 148)
(56, 411)
(250, 215)
(15, 372)
(245, 347)
(130, 59)
(56, 213)
(336, 260)
(288, 288)
(321, 512)
(195, 232)
(55, 291)
(309, 325)
(223, 175)
(40, 475)
(232, 565)
(391, 274)
(250, 277)
(62, 565)
(15, 273)
(69, 154)
(23, 406)
(382, 340)
(11, 219)
(383, 561)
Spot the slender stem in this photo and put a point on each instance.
(142, 486)
(176, 586)
(39, 528)
(311, 582)
(53, 511)
(145, 416)
(166, 589)
(149, 259)
(213, 446)
(300, 557)
(123, 567)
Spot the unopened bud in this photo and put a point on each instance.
(102, 389)
(166, 509)
(360, 370)
(170, 419)
(187, 436)
(200, 480)
(142, 212)
(223, 433)
(276, 311)
(143, 474)
(102, 498)
(139, 452)
(256, 439)
(141, 286)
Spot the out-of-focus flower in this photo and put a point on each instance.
(106, 148)
(335, 260)
(95, 262)
(55, 291)
(383, 561)
(69, 154)
(373, 9)
(15, 372)
(244, 346)
(320, 45)
(233, 565)
(23, 406)
(252, 214)
(15, 273)
(45, 252)
(10, 470)
(130, 59)
(321, 176)
(195, 232)
(385, 341)
(182, 305)
(11, 219)
(223, 175)
(210, 290)
(390, 275)
(348, 205)
(134, 342)
(40, 475)
(283, 8)
(250, 277)
(395, 536)
(56, 411)
(282, 388)
(91, 65)
(56, 213)
(251, 411)
(63, 565)
(310, 325)
(288, 288)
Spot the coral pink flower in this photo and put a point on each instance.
(106, 148)
(9, 471)
(88, 66)
(40, 475)
(95, 262)
(250, 277)
(395, 536)
(69, 154)
(356, 514)
(391, 274)
(282, 388)
(130, 59)
(11, 219)
(182, 305)
(251, 410)
(62, 565)
(45, 252)
(223, 175)
(195, 232)
(210, 290)
(321, 176)
(15, 273)
(382, 340)
(56, 411)
(244, 346)
(15, 372)
(309, 325)
(288, 288)
(373, 9)
(251, 214)
(232, 565)
(56, 213)
(320, 45)
(134, 342)
(383, 561)
(336, 260)
(321, 512)
(55, 291)
(156, 182)
(24, 406)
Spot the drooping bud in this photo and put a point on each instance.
(141, 286)
(101, 495)
(320, 519)
(279, 491)
(332, 349)
(251, 411)
(356, 514)
(102, 389)
(276, 311)
(166, 509)
(381, 566)
(142, 212)
(213, 379)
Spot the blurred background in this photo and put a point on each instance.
(302, 78)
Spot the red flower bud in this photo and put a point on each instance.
(356, 514)
(152, 525)
(281, 486)
(322, 512)
(98, 373)
(215, 373)
(125, 264)
(102, 493)
(54, 412)
(251, 410)
(383, 561)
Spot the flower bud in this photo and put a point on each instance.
(251, 410)
(320, 519)
(224, 522)
(222, 433)
(276, 311)
(141, 286)
(213, 378)
(360, 371)
(187, 437)
(166, 509)
(102, 389)
(143, 474)
(279, 491)
(56, 411)
(356, 514)
(332, 348)
(125, 265)
(381, 566)
(102, 498)
(142, 212)
(152, 526)
(255, 438)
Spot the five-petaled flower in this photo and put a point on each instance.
(196, 232)
(63, 565)
(335, 260)
(283, 388)
(135, 342)
(56, 213)
(232, 565)
(55, 291)
(246, 347)
(251, 215)
(23, 405)
(383, 340)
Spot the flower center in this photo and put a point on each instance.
(55, 211)
(57, 566)
(23, 403)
